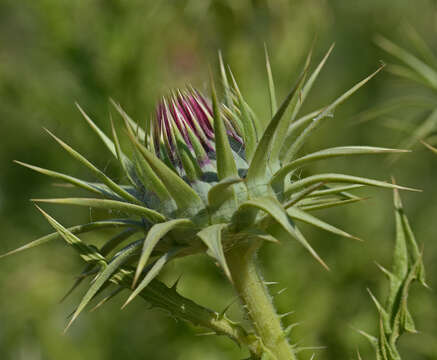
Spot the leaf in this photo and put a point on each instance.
(108, 297)
(428, 126)
(327, 111)
(154, 270)
(120, 156)
(151, 215)
(309, 84)
(110, 245)
(301, 215)
(117, 261)
(156, 233)
(106, 180)
(335, 190)
(132, 125)
(301, 195)
(272, 94)
(79, 229)
(249, 131)
(105, 139)
(215, 194)
(185, 197)
(425, 71)
(212, 238)
(340, 178)
(258, 168)
(88, 253)
(225, 82)
(226, 166)
(330, 204)
(330, 153)
(285, 122)
(405, 235)
(69, 179)
(272, 207)
(433, 149)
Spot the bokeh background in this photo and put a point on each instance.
(56, 52)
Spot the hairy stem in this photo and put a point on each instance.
(257, 301)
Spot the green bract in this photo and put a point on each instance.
(208, 176)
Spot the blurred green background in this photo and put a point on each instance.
(56, 52)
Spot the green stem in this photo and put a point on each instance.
(257, 301)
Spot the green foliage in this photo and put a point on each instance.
(394, 316)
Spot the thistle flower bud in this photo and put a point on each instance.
(182, 131)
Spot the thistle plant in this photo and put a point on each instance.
(418, 66)
(394, 316)
(208, 176)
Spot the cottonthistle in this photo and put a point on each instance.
(208, 176)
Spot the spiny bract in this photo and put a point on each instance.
(203, 176)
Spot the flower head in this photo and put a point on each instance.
(183, 122)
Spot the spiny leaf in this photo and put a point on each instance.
(116, 240)
(110, 245)
(428, 126)
(225, 82)
(106, 180)
(433, 149)
(155, 234)
(117, 261)
(301, 215)
(108, 297)
(406, 242)
(226, 166)
(150, 179)
(79, 229)
(272, 93)
(273, 208)
(309, 84)
(131, 123)
(335, 190)
(88, 253)
(212, 238)
(329, 153)
(330, 204)
(69, 179)
(215, 194)
(154, 270)
(258, 168)
(151, 215)
(249, 131)
(302, 195)
(105, 139)
(340, 178)
(425, 71)
(119, 154)
(284, 123)
(185, 197)
(327, 111)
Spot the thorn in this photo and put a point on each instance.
(384, 270)
(176, 283)
(289, 328)
(281, 291)
(299, 349)
(432, 148)
(270, 283)
(126, 303)
(223, 312)
(207, 334)
(286, 314)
